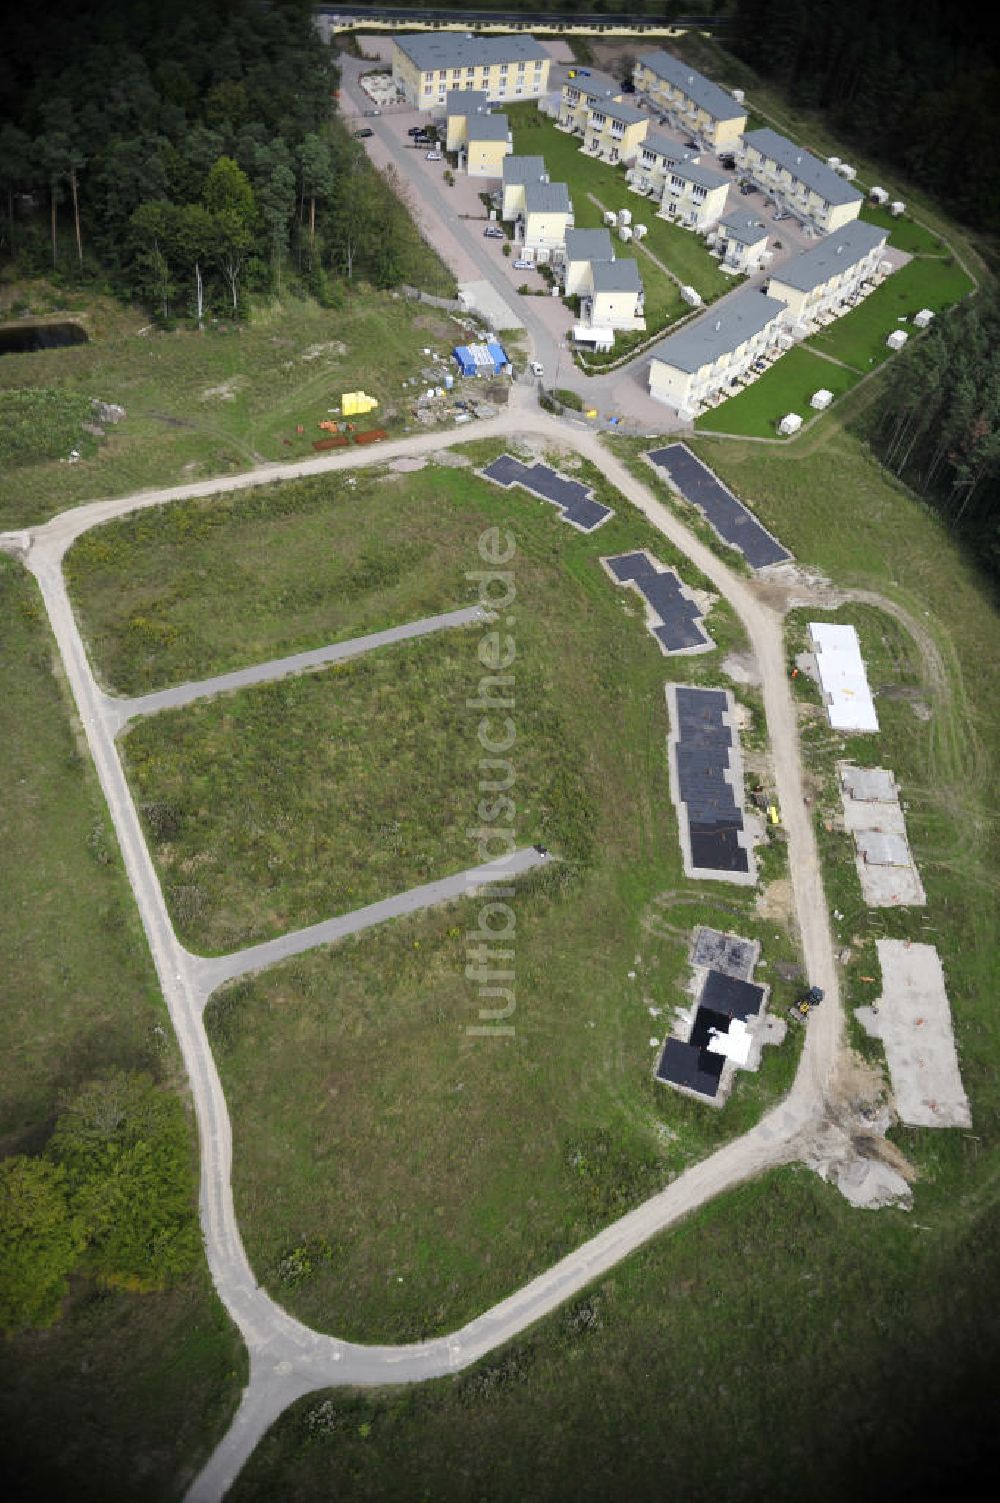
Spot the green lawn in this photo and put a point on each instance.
(797, 1319)
(786, 387)
(127, 1393)
(859, 338)
(196, 588)
(904, 232)
(210, 404)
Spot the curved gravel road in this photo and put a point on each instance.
(287, 1359)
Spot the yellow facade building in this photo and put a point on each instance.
(547, 215)
(427, 65)
(691, 101)
(614, 131)
(826, 280)
(708, 357)
(582, 94)
(489, 142)
(798, 181)
(460, 106)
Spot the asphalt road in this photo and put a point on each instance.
(287, 1358)
(121, 710)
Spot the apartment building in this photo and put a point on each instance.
(580, 95)
(691, 101)
(798, 181)
(426, 65)
(614, 130)
(460, 106)
(489, 142)
(583, 247)
(742, 240)
(689, 193)
(517, 172)
(615, 298)
(547, 215)
(822, 281)
(707, 356)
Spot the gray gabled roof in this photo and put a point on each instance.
(589, 245)
(664, 147)
(488, 128)
(444, 49)
(835, 253)
(546, 198)
(616, 276)
(523, 170)
(803, 165)
(743, 227)
(597, 86)
(626, 113)
(720, 330)
(702, 177)
(715, 101)
(466, 102)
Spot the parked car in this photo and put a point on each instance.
(661, 120)
(522, 265)
(537, 369)
(690, 143)
(493, 232)
(433, 156)
(727, 163)
(746, 188)
(416, 130)
(365, 130)
(369, 113)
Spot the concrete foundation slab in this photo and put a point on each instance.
(913, 1020)
(883, 860)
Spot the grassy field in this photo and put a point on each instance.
(126, 1393)
(859, 338)
(206, 404)
(413, 1128)
(795, 1320)
(786, 387)
(311, 813)
(201, 587)
(904, 233)
(681, 250)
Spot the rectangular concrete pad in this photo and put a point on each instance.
(914, 1023)
(726, 953)
(882, 857)
(870, 784)
(734, 522)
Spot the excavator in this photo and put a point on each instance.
(804, 1006)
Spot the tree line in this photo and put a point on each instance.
(939, 423)
(186, 155)
(111, 1198)
(917, 86)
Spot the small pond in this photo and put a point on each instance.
(24, 339)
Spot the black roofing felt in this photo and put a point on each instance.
(702, 754)
(732, 521)
(688, 1065)
(730, 996)
(680, 618)
(573, 499)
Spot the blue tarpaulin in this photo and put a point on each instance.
(481, 359)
